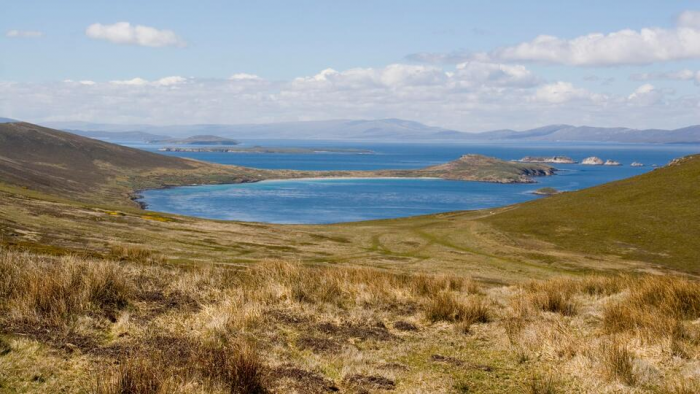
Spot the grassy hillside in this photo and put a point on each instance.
(85, 169)
(654, 217)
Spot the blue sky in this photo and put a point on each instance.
(48, 47)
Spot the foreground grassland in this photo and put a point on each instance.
(592, 291)
(137, 324)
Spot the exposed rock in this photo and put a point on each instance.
(592, 161)
(553, 159)
(612, 163)
(637, 164)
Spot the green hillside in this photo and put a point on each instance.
(654, 217)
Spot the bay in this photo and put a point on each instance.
(318, 201)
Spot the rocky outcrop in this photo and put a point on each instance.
(546, 191)
(592, 161)
(481, 168)
(612, 163)
(553, 159)
(637, 164)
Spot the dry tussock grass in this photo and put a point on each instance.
(135, 254)
(232, 330)
(205, 366)
(55, 291)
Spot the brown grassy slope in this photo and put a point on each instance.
(80, 168)
(141, 325)
(653, 217)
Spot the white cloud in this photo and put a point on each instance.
(125, 33)
(646, 95)
(563, 92)
(495, 74)
(24, 34)
(131, 82)
(83, 82)
(244, 77)
(171, 81)
(471, 96)
(624, 47)
(165, 81)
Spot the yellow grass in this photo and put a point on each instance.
(128, 325)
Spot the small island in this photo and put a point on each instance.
(262, 149)
(552, 159)
(197, 140)
(546, 191)
(612, 163)
(637, 164)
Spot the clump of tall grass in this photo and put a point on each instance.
(446, 307)
(542, 385)
(617, 362)
(231, 367)
(655, 307)
(135, 254)
(554, 295)
(53, 291)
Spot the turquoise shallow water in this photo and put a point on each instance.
(343, 200)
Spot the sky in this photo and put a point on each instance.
(463, 65)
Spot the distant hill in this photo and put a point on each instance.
(120, 136)
(53, 161)
(398, 130)
(7, 120)
(651, 217)
(383, 129)
(85, 169)
(567, 133)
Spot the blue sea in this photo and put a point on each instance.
(343, 200)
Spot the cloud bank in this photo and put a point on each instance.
(471, 96)
(125, 33)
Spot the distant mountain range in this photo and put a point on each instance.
(385, 129)
(570, 133)
(379, 130)
(119, 135)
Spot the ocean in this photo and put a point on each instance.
(316, 201)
